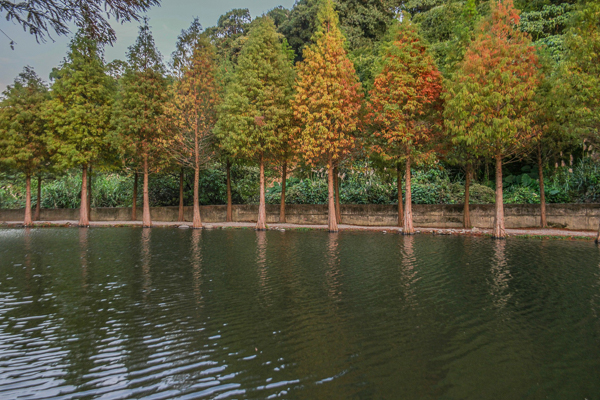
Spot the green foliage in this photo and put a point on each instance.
(22, 128)
(255, 115)
(139, 131)
(78, 113)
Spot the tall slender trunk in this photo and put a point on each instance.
(400, 205)
(466, 209)
(408, 219)
(134, 200)
(336, 185)
(261, 223)
(229, 217)
(38, 204)
(197, 220)
(84, 219)
(146, 219)
(180, 219)
(28, 221)
(499, 232)
(332, 219)
(89, 198)
(283, 182)
(543, 222)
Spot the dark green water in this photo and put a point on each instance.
(179, 314)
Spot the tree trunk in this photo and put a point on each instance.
(499, 232)
(336, 183)
(89, 198)
(408, 220)
(84, 220)
(146, 219)
(180, 219)
(332, 219)
(197, 220)
(261, 224)
(400, 205)
(466, 208)
(229, 202)
(543, 222)
(283, 182)
(38, 205)
(134, 202)
(28, 221)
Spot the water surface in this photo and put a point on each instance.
(178, 314)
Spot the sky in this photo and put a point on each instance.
(166, 21)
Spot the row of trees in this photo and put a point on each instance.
(232, 93)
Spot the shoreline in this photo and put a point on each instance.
(548, 233)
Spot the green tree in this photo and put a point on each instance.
(489, 103)
(140, 132)
(256, 108)
(228, 36)
(577, 88)
(22, 130)
(192, 112)
(328, 101)
(78, 113)
(405, 105)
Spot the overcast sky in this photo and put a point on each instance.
(167, 22)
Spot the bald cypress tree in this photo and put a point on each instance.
(490, 103)
(328, 100)
(22, 129)
(256, 106)
(78, 114)
(405, 105)
(139, 110)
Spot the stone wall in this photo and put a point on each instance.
(569, 216)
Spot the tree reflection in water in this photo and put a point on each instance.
(409, 274)
(197, 264)
(146, 257)
(500, 276)
(333, 272)
(83, 250)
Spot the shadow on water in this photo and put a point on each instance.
(169, 313)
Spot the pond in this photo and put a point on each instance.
(178, 314)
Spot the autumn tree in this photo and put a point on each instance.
(139, 109)
(192, 112)
(22, 130)
(405, 105)
(256, 108)
(180, 60)
(328, 101)
(577, 89)
(78, 114)
(489, 104)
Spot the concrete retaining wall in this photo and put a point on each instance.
(569, 216)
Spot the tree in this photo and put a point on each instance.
(78, 114)
(22, 129)
(192, 111)
(328, 100)
(256, 110)
(577, 90)
(405, 105)
(489, 103)
(39, 17)
(228, 37)
(139, 109)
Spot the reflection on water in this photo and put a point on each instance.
(176, 314)
(500, 276)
